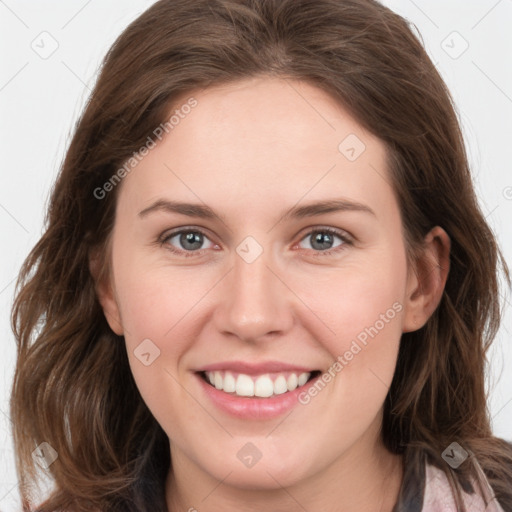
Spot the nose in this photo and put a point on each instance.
(254, 301)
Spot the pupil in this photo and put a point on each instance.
(322, 239)
(191, 238)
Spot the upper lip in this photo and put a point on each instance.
(254, 368)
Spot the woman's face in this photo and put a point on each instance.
(254, 290)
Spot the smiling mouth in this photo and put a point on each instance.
(260, 386)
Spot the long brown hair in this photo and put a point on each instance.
(73, 387)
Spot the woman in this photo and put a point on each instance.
(251, 371)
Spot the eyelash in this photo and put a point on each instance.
(164, 237)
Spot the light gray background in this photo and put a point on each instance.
(41, 96)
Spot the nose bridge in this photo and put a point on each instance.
(255, 302)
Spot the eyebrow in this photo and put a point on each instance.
(296, 212)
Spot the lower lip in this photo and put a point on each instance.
(255, 408)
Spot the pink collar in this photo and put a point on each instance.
(439, 496)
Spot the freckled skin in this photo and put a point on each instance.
(250, 151)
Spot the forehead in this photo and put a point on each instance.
(267, 117)
(267, 140)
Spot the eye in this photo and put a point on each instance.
(189, 240)
(322, 239)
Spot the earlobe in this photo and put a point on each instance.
(106, 294)
(426, 281)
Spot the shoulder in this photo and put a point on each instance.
(439, 495)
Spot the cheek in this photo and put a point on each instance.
(156, 302)
(159, 307)
(363, 307)
(362, 301)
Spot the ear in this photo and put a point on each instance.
(105, 292)
(426, 279)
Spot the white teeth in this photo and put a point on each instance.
(280, 385)
(292, 382)
(262, 386)
(218, 380)
(229, 383)
(303, 378)
(244, 385)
